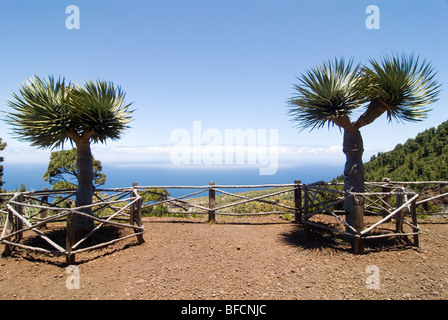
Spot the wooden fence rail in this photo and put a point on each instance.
(189, 205)
(31, 211)
(374, 203)
(124, 207)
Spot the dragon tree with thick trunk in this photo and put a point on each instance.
(50, 112)
(399, 86)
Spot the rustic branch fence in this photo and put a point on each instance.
(188, 204)
(32, 211)
(371, 202)
(317, 205)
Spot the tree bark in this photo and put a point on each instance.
(353, 149)
(84, 192)
(353, 177)
(375, 109)
(354, 168)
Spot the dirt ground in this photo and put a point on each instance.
(237, 259)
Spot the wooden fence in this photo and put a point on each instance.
(32, 211)
(188, 204)
(372, 203)
(317, 205)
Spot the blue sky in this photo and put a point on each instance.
(228, 64)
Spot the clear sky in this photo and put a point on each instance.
(228, 64)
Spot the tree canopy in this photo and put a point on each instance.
(62, 170)
(400, 85)
(50, 112)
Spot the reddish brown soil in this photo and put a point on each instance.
(247, 258)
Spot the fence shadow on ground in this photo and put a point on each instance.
(322, 241)
(106, 233)
(58, 235)
(319, 241)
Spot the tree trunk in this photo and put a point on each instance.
(353, 177)
(84, 193)
(354, 167)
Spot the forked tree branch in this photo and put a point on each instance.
(375, 109)
(343, 122)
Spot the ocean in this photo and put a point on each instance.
(123, 175)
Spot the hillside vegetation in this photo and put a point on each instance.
(423, 158)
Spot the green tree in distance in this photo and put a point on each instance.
(50, 112)
(62, 172)
(400, 86)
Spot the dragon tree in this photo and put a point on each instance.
(51, 112)
(400, 86)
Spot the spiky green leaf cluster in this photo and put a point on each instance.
(335, 88)
(330, 90)
(404, 84)
(48, 112)
(101, 108)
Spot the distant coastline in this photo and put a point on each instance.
(123, 175)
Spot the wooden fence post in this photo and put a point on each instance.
(132, 207)
(306, 227)
(70, 237)
(211, 203)
(413, 212)
(399, 214)
(8, 229)
(135, 213)
(139, 221)
(44, 212)
(298, 201)
(19, 222)
(385, 189)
